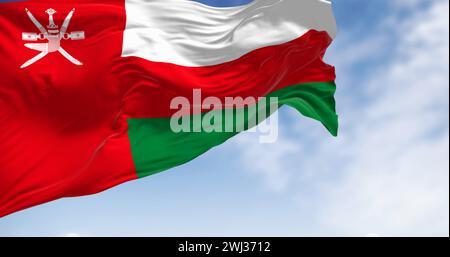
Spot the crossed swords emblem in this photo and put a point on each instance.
(53, 35)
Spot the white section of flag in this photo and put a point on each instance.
(191, 34)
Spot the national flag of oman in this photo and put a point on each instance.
(86, 85)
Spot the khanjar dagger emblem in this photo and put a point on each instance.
(53, 35)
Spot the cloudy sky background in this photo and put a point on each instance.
(386, 174)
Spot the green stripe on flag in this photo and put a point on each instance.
(155, 147)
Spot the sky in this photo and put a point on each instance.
(386, 174)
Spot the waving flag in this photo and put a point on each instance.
(86, 86)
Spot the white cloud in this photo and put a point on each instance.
(398, 181)
(75, 235)
(407, 3)
(272, 166)
(388, 172)
(71, 235)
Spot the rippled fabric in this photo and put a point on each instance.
(191, 34)
(224, 3)
(64, 127)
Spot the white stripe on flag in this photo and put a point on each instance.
(191, 34)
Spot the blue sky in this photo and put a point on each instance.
(386, 174)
